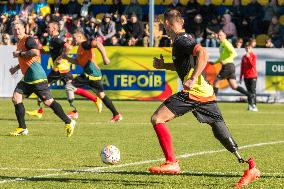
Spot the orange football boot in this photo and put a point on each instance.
(166, 168)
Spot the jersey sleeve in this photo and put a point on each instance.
(187, 45)
(31, 43)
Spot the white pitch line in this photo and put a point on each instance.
(135, 163)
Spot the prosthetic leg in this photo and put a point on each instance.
(221, 132)
(69, 88)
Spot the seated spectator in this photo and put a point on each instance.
(157, 30)
(116, 8)
(6, 40)
(114, 41)
(91, 29)
(198, 28)
(5, 24)
(106, 29)
(26, 8)
(245, 30)
(270, 9)
(253, 13)
(252, 42)
(58, 8)
(39, 5)
(208, 11)
(73, 8)
(11, 8)
(211, 30)
(229, 28)
(31, 26)
(175, 4)
(121, 30)
(84, 12)
(239, 43)
(134, 31)
(268, 43)
(192, 8)
(237, 14)
(134, 8)
(274, 32)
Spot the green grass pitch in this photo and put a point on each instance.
(48, 159)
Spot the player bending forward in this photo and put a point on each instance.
(34, 81)
(91, 75)
(189, 60)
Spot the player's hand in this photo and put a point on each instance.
(158, 63)
(16, 54)
(13, 70)
(106, 60)
(188, 84)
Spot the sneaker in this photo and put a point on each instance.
(99, 104)
(116, 118)
(166, 168)
(37, 113)
(70, 128)
(73, 115)
(250, 107)
(19, 131)
(249, 175)
(254, 108)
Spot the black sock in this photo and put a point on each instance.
(57, 109)
(109, 105)
(215, 90)
(20, 113)
(243, 91)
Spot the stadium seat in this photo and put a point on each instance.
(217, 2)
(64, 2)
(107, 2)
(263, 2)
(100, 16)
(281, 20)
(228, 2)
(280, 2)
(245, 2)
(19, 1)
(201, 2)
(97, 2)
(261, 39)
(184, 2)
(163, 2)
(143, 2)
(50, 1)
(125, 2)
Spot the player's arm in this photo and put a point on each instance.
(32, 49)
(159, 63)
(102, 50)
(201, 61)
(232, 53)
(14, 69)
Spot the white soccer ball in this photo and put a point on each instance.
(110, 154)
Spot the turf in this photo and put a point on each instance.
(48, 159)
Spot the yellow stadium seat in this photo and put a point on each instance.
(143, 2)
(201, 2)
(158, 2)
(50, 1)
(64, 1)
(184, 2)
(245, 2)
(263, 2)
(35, 1)
(280, 2)
(261, 39)
(165, 2)
(80, 1)
(125, 2)
(217, 2)
(97, 2)
(281, 19)
(100, 16)
(228, 2)
(19, 1)
(107, 2)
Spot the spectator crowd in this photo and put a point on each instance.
(127, 25)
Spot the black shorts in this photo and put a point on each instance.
(82, 80)
(55, 76)
(205, 112)
(40, 89)
(227, 72)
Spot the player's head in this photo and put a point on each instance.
(222, 35)
(173, 22)
(53, 28)
(248, 47)
(18, 29)
(79, 36)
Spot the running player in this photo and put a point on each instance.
(61, 71)
(91, 75)
(227, 55)
(189, 60)
(249, 72)
(34, 81)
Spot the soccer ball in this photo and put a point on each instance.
(110, 154)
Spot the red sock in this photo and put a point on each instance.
(165, 140)
(40, 110)
(86, 94)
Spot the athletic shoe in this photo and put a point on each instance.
(37, 113)
(254, 108)
(73, 115)
(249, 175)
(99, 104)
(116, 118)
(70, 128)
(166, 168)
(19, 131)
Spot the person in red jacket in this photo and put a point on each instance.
(249, 73)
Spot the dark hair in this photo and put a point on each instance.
(173, 15)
